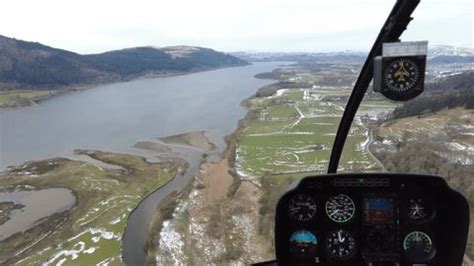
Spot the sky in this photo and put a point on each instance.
(94, 26)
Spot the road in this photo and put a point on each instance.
(367, 147)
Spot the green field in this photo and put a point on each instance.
(294, 132)
(292, 136)
(91, 232)
(8, 96)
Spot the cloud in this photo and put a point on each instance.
(273, 25)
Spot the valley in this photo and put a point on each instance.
(189, 187)
(286, 135)
(134, 164)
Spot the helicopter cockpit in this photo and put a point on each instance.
(374, 218)
(371, 219)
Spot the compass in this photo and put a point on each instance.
(401, 78)
(402, 75)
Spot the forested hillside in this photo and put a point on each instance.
(450, 92)
(35, 66)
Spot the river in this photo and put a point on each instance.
(114, 117)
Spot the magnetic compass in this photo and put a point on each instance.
(402, 75)
(400, 78)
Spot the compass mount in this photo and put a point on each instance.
(399, 74)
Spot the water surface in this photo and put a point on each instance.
(115, 116)
(38, 204)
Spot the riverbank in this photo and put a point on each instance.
(91, 231)
(283, 137)
(117, 117)
(219, 219)
(18, 98)
(213, 221)
(148, 217)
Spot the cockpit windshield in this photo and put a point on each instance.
(173, 132)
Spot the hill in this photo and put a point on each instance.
(449, 50)
(461, 81)
(33, 65)
(449, 92)
(437, 54)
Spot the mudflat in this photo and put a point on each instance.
(196, 139)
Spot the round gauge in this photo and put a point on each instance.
(419, 210)
(340, 208)
(303, 244)
(302, 207)
(340, 244)
(401, 75)
(418, 246)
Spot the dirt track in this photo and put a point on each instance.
(217, 181)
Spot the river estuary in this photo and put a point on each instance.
(114, 117)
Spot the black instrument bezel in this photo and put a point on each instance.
(449, 227)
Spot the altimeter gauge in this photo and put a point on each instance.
(302, 207)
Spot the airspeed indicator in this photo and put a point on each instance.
(340, 208)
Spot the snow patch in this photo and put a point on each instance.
(116, 221)
(73, 253)
(171, 242)
(89, 250)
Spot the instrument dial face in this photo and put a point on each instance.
(303, 244)
(417, 211)
(340, 244)
(417, 245)
(420, 210)
(340, 208)
(302, 207)
(402, 75)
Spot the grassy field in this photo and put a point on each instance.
(291, 137)
(8, 96)
(91, 232)
(295, 130)
(458, 123)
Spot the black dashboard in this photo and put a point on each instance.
(371, 219)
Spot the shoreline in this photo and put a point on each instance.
(81, 87)
(227, 152)
(173, 164)
(160, 196)
(212, 192)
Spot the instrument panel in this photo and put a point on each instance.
(371, 219)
